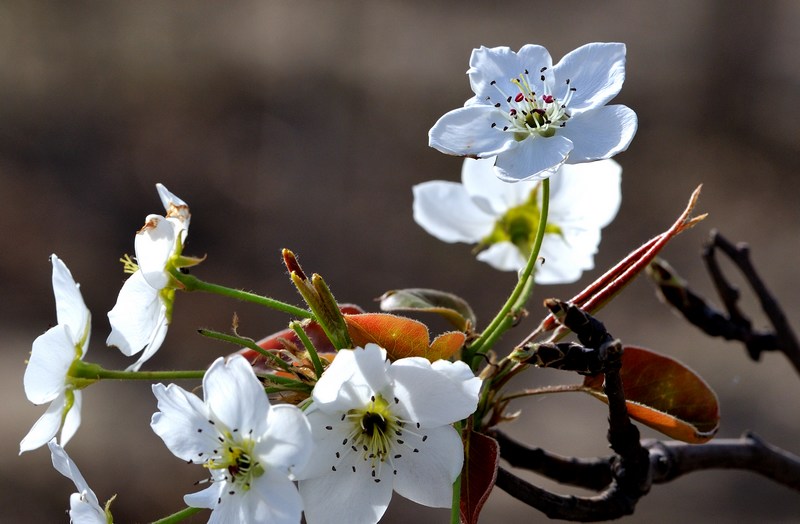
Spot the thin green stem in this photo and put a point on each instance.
(248, 343)
(192, 283)
(544, 390)
(455, 511)
(297, 327)
(178, 516)
(505, 317)
(94, 372)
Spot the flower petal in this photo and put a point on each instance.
(596, 71)
(565, 260)
(46, 427)
(586, 195)
(600, 133)
(488, 192)
(427, 476)
(70, 307)
(535, 158)
(351, 379)
(208, 499)
(52, 355)
(468, 131)
(271, 498)
(500, 65)
(504, 256)
(432, 396)
(345, 497)
(182, 423)
(138, 319)
(154, 244)
(286, 443)
(72, 419)
(84, 506)
(235, 379)
(446, 211)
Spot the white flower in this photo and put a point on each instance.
(534, 116)
(249, 446)
(383, 426)
(84, 507)
(503, 218)
(143, 311)
(47, 375)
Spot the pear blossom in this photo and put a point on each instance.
(141, 316)
(503, 218)
(381, 426)
(84, 507)
(249, 446)
(47, 374)
(532, 116)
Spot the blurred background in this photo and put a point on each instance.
(304, 124)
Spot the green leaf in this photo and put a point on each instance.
(453, 308)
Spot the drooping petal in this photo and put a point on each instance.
(468, 131)
(596, 71)
(601, 133)
(446, 211)
(235, 379)
(286, 442)
(154, 244)
(427, 476)
(72, 420)
(433, 398)
(488, 192)
(535, 158)
(345, 497)
(52, 355)
(182, 423)
(138, 319)
(46, 427)
(70, 307)
(272, 498)
(504, 256)
(84, 506)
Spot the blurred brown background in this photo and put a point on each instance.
(304, 125)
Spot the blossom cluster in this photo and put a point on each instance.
(371, 422)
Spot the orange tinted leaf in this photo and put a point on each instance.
(445, 345)
(479, 474)
(665, 395)
(400, 336)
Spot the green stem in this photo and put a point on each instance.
(312, 351)
(505, 317)
(455, 511)
(94, 372)
(248, 343)
(178, 516)
(192, 283)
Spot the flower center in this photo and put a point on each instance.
(234, 461)
(532, 114)
(519, 226)
(377, 425)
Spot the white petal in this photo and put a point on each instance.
(85, 507)
(70, 307)
(501, 65)
(446, 211)
(427, 477)
(586, 196)
(64, 465)
(490, 193)
(72, 420)
(431, 397)
(168, 199)
(286, 444)
(595, 70)
(565, 261)
(235, 396)
(326, 442)
(154, 244)
(345, 497)
(272, 498)
(46, 427)
(468, 131)
(206, 498)
(352, 378)
(83, 511)
(52, 355)
(138, 319)
(504, 256)
(600, 133)
(182, 423)
(535, 158)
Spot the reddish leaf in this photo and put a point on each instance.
(665, 395)
(453, 308)
(479, 474)
(401, 337)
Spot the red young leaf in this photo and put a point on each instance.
(665, 395)
(479, 474)
(401, 337)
